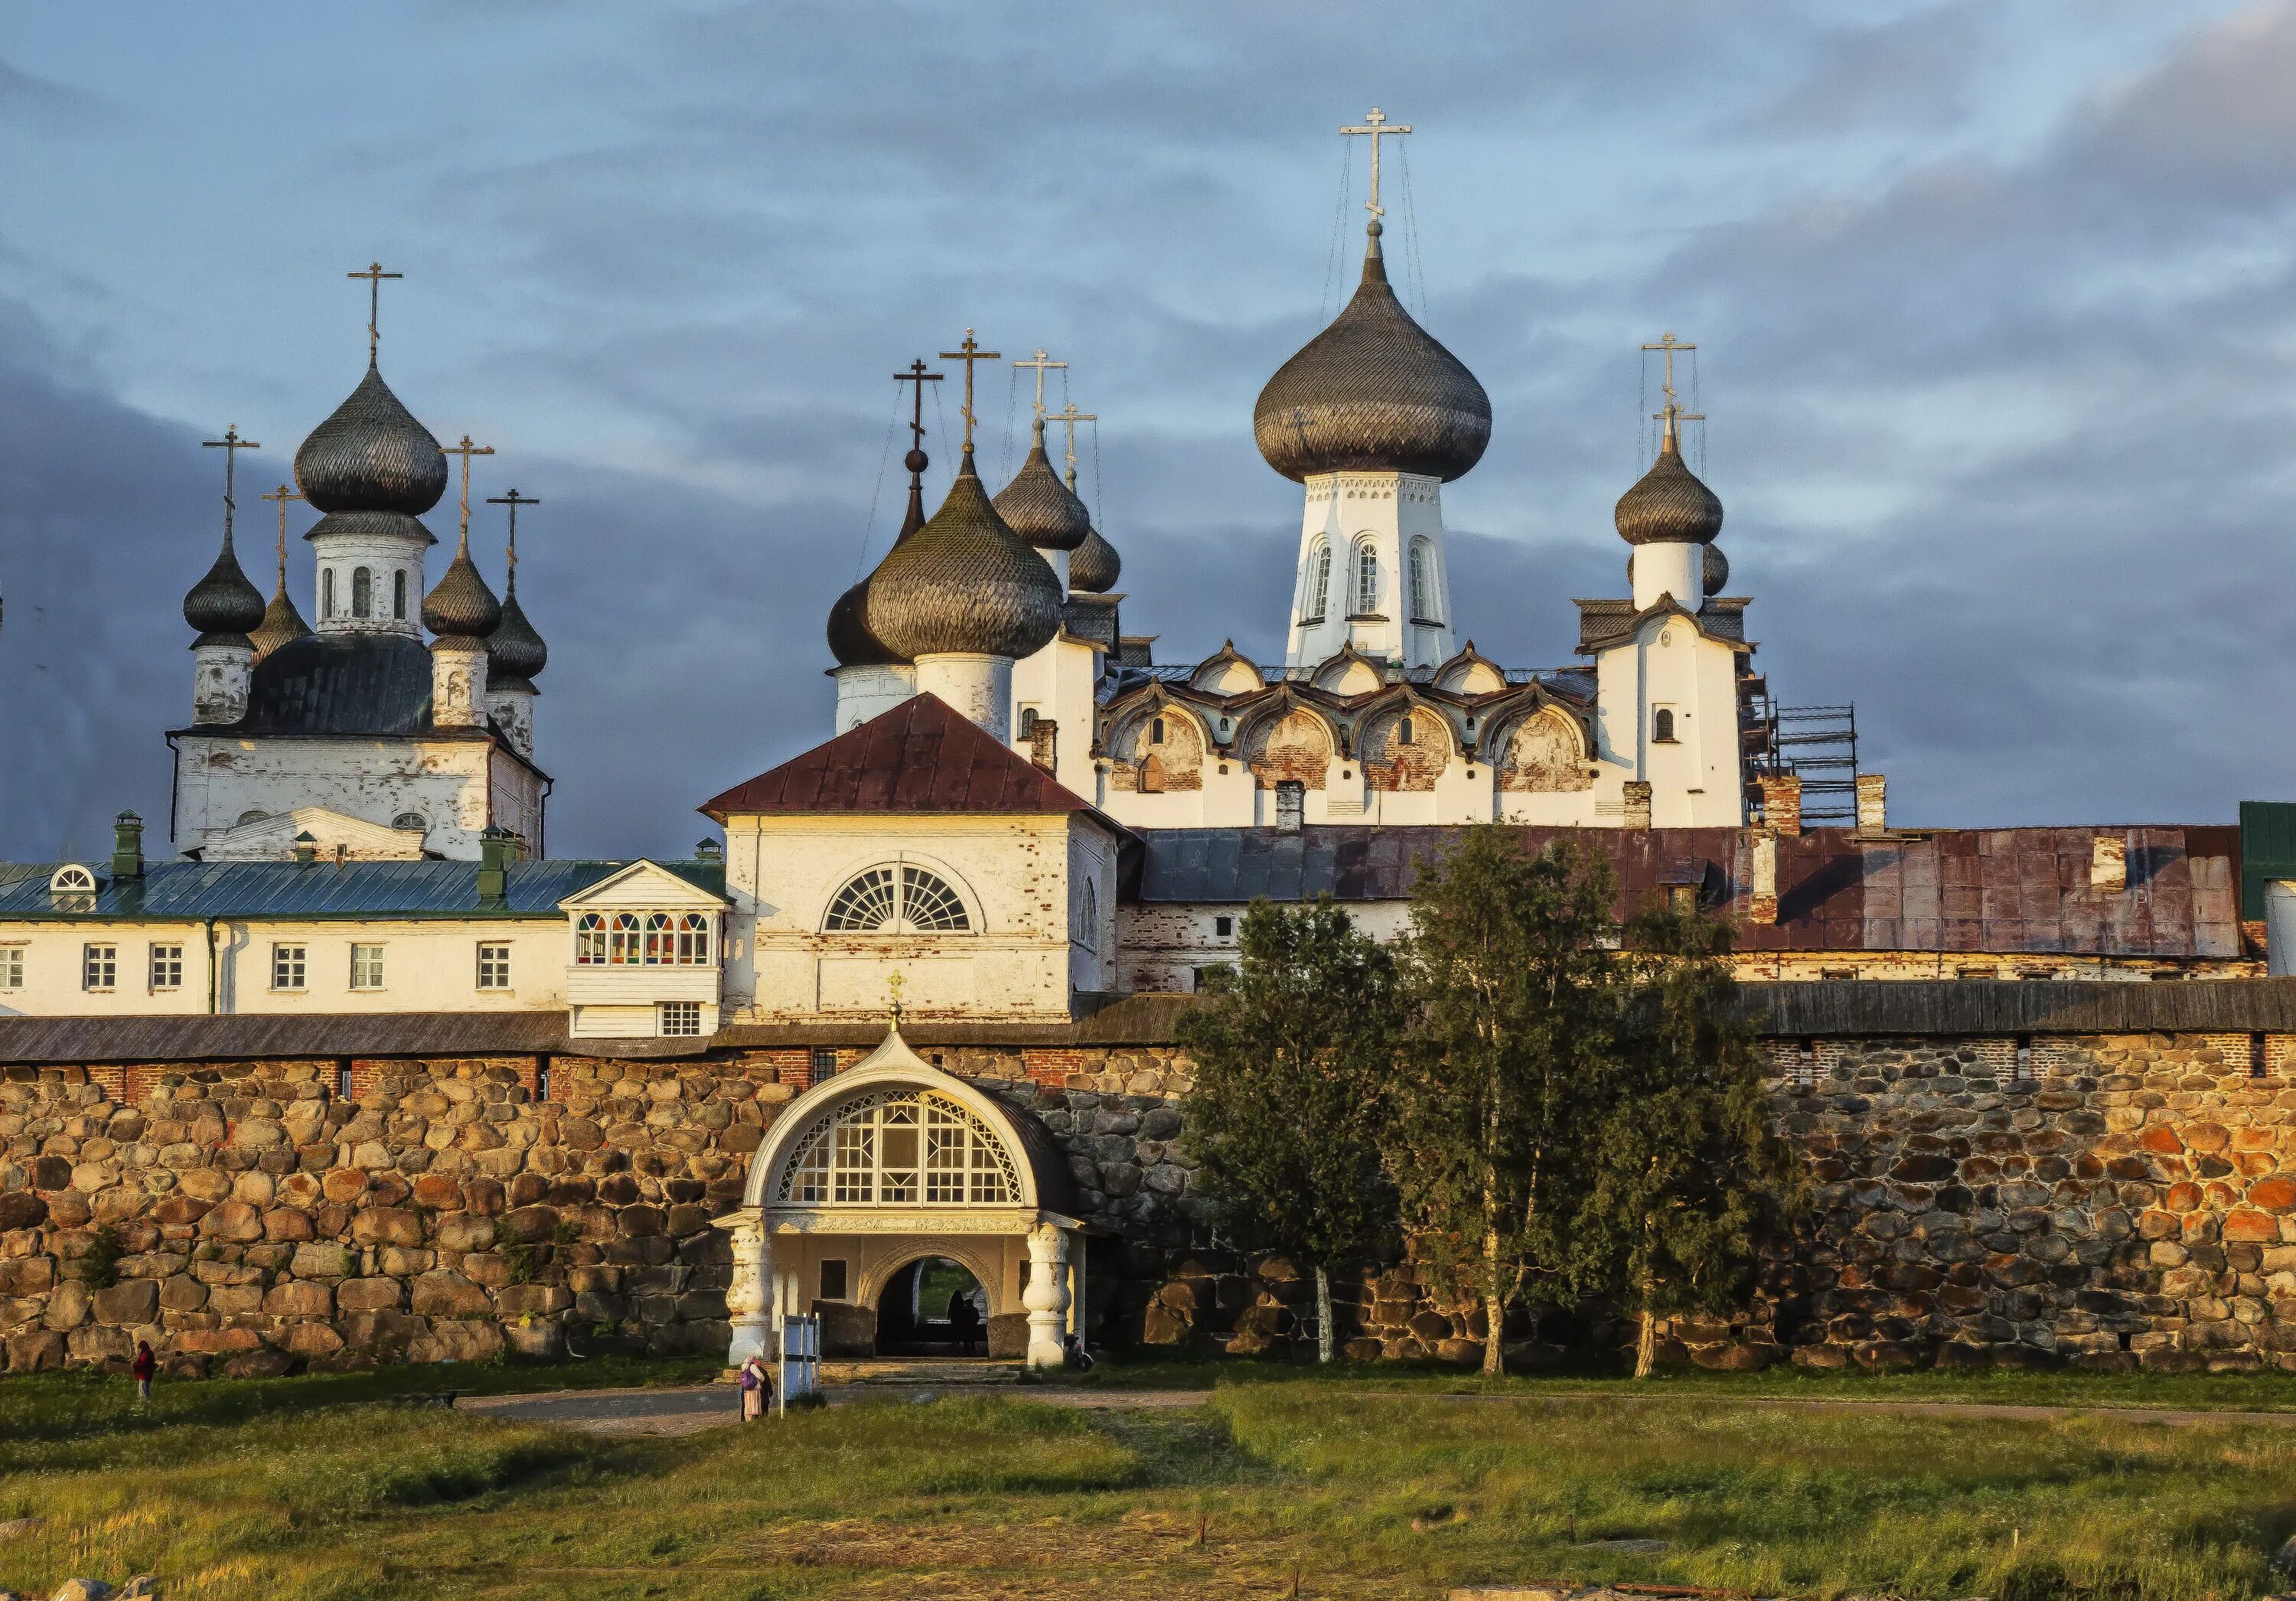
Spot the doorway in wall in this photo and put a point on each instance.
(933, 1308)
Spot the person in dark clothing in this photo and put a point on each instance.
(963, 1321)
(144, 1364)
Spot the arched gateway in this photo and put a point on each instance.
(889, 1162)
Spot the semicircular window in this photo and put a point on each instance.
(899, 1147)
(899, 899)
(411, 819)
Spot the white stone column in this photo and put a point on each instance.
(976, 687)
(1047, 1294)
(750, 1292)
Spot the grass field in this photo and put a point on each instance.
(1368, 1487)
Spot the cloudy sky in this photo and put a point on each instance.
(1994, 302)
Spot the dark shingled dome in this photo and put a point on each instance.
(1668, 504)
(1718, 569)
(850, 642)
(515, 652)
(460, 606)
(224, 606)
(1038, 506)
(372, 455)
(1095, 567)
(281, 623)
(1372, 392)
(963, 583)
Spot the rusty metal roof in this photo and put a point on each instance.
(357, 889)
(2007, 892)
(919, 756)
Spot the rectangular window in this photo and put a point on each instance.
(12, 967)
(681, 1017)
(1223, 927)
(342, 1081)
(99, 967)
(166, 967)
(833, 1279)
(824, 1063)
(2259, 1063)
(2025, 1061)
(494, 966)
(287, 963)
(1806, 1064)
(366, 967)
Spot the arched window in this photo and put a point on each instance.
(1316, 581)
(415, 820)
(693, 940)
(626, 947)
(1366, 580)
(1088, 919)
(327, 593)
(1156, 732)
(590, 940)
(1662, 725)
(362, 592)
(399, 595)
(1403, 732)
(661, 943)
(1423, 583)
(900, 1148)
(907, 899)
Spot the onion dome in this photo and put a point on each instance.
(514, 650)
(372, 455)
(1668, 504)
(282, 624)
(224, 606)
(1372, 392)
(1038, 506)
(460, 606)
(1094, 566)
(963, 583)
(1718, 569)
(850, 642)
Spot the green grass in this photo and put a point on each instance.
(1369, 1486)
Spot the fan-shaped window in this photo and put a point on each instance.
(904, 900)
(399, 595)
(411, 819)
(72, 889)
(1423, 583)
(1316, 581)
(246, 818)
(900, 1148)
(590, 940)
(1366, 580)
(362, 592)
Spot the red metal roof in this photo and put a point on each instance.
(919, 756)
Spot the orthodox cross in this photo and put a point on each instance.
(917, 375)
(374, 276)
(231, 445)
(969, 353)
(466, 450)
(1673, 413)
(282, 495)
(513, 500)
(893, 984)
(1375, 124)
(1038, 362)
(1072, 417)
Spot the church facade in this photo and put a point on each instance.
(1023, 839)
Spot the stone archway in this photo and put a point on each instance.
(889, 1162)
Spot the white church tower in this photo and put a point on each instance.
(1372, 418)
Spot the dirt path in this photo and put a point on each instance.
(693, 1408)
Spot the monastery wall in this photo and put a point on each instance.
(2114, 1200)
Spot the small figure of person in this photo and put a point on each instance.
(756, 1388)
(1074, 1354)
(143, 1366)
(963, 1321)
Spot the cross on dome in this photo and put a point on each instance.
(1376, 124)
(970, 352)
(513, 500)
(374, 276)
(466, 450)
(1040, 363)
(1672, 413)
(231, 445)
(282, 495)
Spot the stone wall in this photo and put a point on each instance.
(2113, 1200)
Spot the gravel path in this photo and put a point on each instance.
(693, 1408)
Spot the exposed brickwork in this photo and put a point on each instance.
(1151, 766)
(1391, 762)
(1294, 746)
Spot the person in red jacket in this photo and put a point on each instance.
(143, 1368)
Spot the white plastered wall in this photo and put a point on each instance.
(219, 780)
(1695, 781)
(1389, 512)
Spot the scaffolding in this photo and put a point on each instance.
(1817, 744)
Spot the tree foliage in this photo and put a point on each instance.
(1293, 1056)
(1512, 996)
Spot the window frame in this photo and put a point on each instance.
(1423, 583)
(12, 966)
(951, 1156)
(1315, 579)
(99, 973)
(1662, 726)
(494, 961)
(679, 1012)
(1365, 580)
(888, 893)
(163, 966)
(362, 593)
(399, 595)
(298, 965)
(366, 966)
(327, 592)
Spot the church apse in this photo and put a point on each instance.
(1159, 752)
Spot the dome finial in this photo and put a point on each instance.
(374, 276)
(282, 622)
(970, 353)
(1669, 504)
(916, 461)
(515, 651)
(461, 606)
(1375, 124)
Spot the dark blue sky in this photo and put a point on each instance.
(1994, 302)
